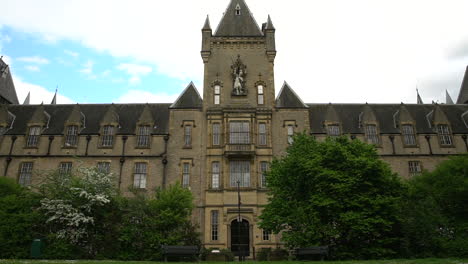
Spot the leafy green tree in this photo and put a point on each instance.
(436, 211)
(19, 219)
(336, 193)
(150, 222)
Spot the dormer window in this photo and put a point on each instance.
(409, 138)
(217, 94)
(371, 134)
(33, 136)
(445, 136)
(143, 137)
(333, 130)
(71, 137)
(238, 10)
(107, 137)
(260, 94)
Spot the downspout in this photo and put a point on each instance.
(164, 161)
(88, 139)
(9, 159)
(122, 159)
(428, 139)
(466, 143)
(392, 139)
(51, 138)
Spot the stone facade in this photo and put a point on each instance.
(230, 135)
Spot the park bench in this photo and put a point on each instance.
(181, 252)
(310, 253)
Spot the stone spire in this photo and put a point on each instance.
(238, 21)
(54, 100)
(419, 100)
(463, 95)
(448, 98)
(269, 24)
(27, 100)
(207, 26)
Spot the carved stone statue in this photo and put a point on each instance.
(239, 71)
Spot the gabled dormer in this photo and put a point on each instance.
(405, 121)
(144, 128)
(369, 124)
(109, 126)
(332, 122)
(38, 122)
(440, 123)
(73, 125)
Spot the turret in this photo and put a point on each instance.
(206, 38)
(269, 32)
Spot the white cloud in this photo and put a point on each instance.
(71, 53)
(32, 68)
(138, 96)
(135, 71)
(328, 50)
(88, 70)
(34, 59)
(39, 94)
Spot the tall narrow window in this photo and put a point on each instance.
(444, 135)
(71, 138)
(215, 175)
(139, 177)
(408, 135)
(143, 137)
(239, 133)
(238, 10)
(262, 134)
(214, 225)
(186, 175)
(333, 130)
(414, 168)
(216, 134)
(240, 172)
(371, 134)
(260, 94)
(263, 170)
(103, 167)
(33, 136)
(24, 178)
(65, 167)
(290, 134)
(107, 138)
(188, 136)
(217, 94)
(266, 235)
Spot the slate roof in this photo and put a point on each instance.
(243, 25)
(349, 116)
(189, 99)
(128, 116)
(287, 98)
(463, 95)
(7, 87)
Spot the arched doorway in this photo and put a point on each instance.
(240, 238)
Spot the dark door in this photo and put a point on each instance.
(240, 241)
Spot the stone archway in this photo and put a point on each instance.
(240, 238)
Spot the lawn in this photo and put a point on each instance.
(397, 261)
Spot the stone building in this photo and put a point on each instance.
(223, 142)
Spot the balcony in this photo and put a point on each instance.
(239, 150)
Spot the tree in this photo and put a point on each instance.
(436, 211)
(337, 193)
(19, 219)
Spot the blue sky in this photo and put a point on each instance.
(338, 51)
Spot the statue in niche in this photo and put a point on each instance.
(239, 71)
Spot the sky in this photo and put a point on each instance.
(148, 51)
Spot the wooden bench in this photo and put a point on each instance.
(310, 252)
(180, 252)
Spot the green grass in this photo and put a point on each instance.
(396, 261)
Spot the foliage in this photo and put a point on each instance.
(75, 205)
(436, 221)
(18, 219)
(336, 193)
(269, 254)
(150, 222)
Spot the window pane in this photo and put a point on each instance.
(414, 167)
(217, 89)
(139, 178)
(143, 137)
(33, 137)
(444, 135)
(334, 130)
(263, 170)
(262, 135)
(260, 89)
(103, 167)
(216, 134)
(260, 99)
(216, 99)
(240, 171)
(239, 133)
(65, 167)
(107, 139)
(186, 175)
(214, 225)
(290, 134)
(266, 235)
(408, 135)
(188, 136)
(72, 136)
(215, 176)
(24, 178)
(371, 134)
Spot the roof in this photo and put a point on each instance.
(385, 114)
(233, 25)
(463, 95)
(93, 115)
(287, 98)
(189, 99)
(7, 87)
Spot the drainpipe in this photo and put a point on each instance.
(466, 143)
(88, 139)
(428, 139)
(51, 138)
(9, 159)
(392, 139)
(164, 162)
(122, 159)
